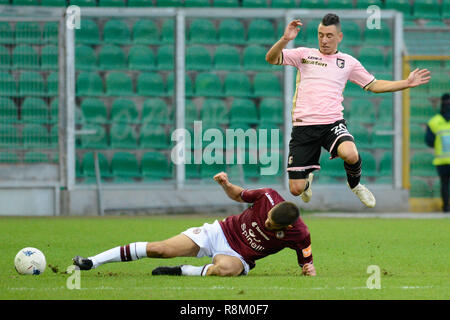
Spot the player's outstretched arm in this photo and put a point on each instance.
(232, 191)
(416, 78)
(273, 56)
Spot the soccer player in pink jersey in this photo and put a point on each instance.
(317, 107)
(268, 226)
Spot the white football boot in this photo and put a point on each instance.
(364, 195)
(306, 195)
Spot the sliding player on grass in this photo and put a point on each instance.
(317, 112)
(268, 226)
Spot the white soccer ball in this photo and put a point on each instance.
(30, 261)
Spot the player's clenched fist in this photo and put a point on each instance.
(221, 178)
(309, 270)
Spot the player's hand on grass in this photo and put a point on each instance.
(418, 77)
(221, 178)
(292, 29)
(309, 270)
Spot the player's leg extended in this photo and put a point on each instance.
(352, 163)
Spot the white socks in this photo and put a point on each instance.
(129, 252)
(187, 270)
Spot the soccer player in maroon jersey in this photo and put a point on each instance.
(268, 226)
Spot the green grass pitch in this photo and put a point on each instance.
(413, 256)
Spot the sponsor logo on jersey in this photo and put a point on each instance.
(251, 238)
(255, 225)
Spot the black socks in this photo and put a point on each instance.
(353, 172)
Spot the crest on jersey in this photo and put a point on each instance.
(290, 160)
(340, 63)
(280, 234)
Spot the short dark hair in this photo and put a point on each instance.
(331, 19)
(285, 213)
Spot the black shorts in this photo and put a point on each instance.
(306, 143)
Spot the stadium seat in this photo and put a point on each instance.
(124, 111)
(202, 31)
(267, 85)
(88, 32)
(155, 111)
(231, 31)
(214, 112)
(254, 58)
(53, 3)
(192, 170)
(6, 33)
(25, 56)
(196, 3)
(385, 111)
(420, 114)
(243, 111)
(363, 4)
(332, 168)
(145, 31)
(420, 189)
(369, 163)
(352, 33)
(141, 58)
(5, 58)
(28, 32)
(31, 84)
(426, 9)
(8, 86)
(8, 157)
(226, 3)
(198, 58)
(288, 4)
(88, 165)
(140, 3)
(54, 137)
(168, 31)
(378, 36)
(417, 136)
(10, 137)
(361, 135)
(123, 136)
(165, 57)
(386, 164)
(89, 84)
(271, 111)
(227, 58)
(255, 3)
(34, 110)
(422, 164)
(84, 3)
(362, 111)
(124, 165)
(372, 58)
(190, 113)
(52, 84)
(154, 137)
(50, 32)
(313, 4)
(237, 85)
(261, 31)
(8, 111)
(273, 130)
(208, 85)
(209, 167)
(445, 9)
(94, 111)
(85, 58)
(340, 4)
(116, 31)
(188, 88)
(380, 137)
(169, 3)
(119, 84)
(239, 144)
(150, 84)
(403, 6)
(439, 85)
(35, 157)
(49, 57)
(112, 3)
(155, 166)
(97, 140)
(35, 136)
(111, 57)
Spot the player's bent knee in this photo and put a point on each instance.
(296, 189)
(222, 270)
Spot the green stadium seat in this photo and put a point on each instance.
(271, 111)
(238, 144)
(8, 111)
(140, 3)
(378, 37)
(168, 31)
(34, 110)
(85, 58)
(116, 31)
(25, 56)
(165, 57)
(243, 111)
(310, 34)
(89, 84)
(426, 9)
(313, 4)
(84, 3)
(198, 58)
(155, 166)
(97, 140)
(214, 112)
(192, 170)
(422, 164)
(88, 32)
(439, 84)
(363, 4)
(150, 84)
(208, 85)
(54, 110)
(417, 136)
(94, 111)
(372, 58)
(123, 136)
(6, 33)
(209, 168)
(202, 31)
(88, 165)
(403, 6)
(420, 189)
(141, 58)
(288, 4)
(261, 31)
(53, 3)
(445, 9)
(35, 136)
(231, 31)
(267, 85)
(352, 33)
(369, 164)
(155, 111)
(54, 138)
(361, 135)
(332, 168)
(8, 86)
(196, 3)
(10, 137)
(8, 157)
(226, 3)
(145, 31)
(420, 114)
(49, 57)
(190, 113)
(112, 3)
(237, 85)
(386, 164)
(380, 138)
(28, 32)
(254, 58)
(188, 89)
(119, 84)
(50, 32)
(124, 165)
(255, 3)
(362, 111)
(169, 3)
(385, 111)
(111, 57)
(124, 111)
(31, 84)
(35, 157)
(340, 4)
(5, 58)
(52, 84)
(227, 58)
(154, 137)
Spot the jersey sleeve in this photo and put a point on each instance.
(304, 253)
(360, 76)
(293, 57)
(252, 195)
